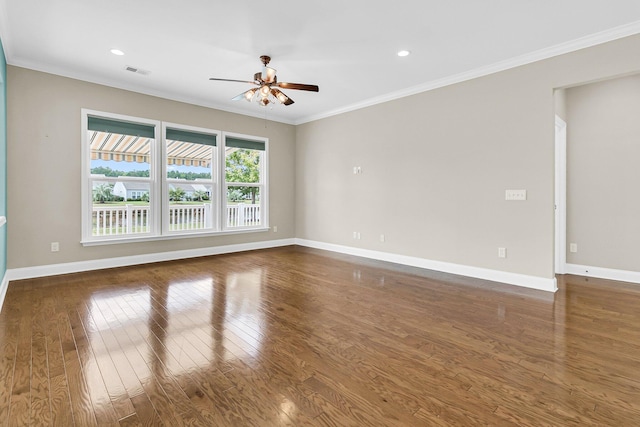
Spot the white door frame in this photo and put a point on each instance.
(560, 196)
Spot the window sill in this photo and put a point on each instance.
(139, 239)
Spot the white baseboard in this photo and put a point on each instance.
(527, 281)
(603, 273)
(534, 282)
(4, 285)
(76, 267)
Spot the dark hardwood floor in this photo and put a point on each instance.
(295, 336)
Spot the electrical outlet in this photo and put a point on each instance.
(55, 246)
(275, 228)
(502, 252)
(356, 235)
(515, 195)
(382, 238)
(573, 247)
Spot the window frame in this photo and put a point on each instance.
(215, 181)
(263, 185)
(87, 191)
(158, 184)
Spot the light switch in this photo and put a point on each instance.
(515, 195)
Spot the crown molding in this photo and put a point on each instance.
(131, 87)
(538, 55)
(601, 37)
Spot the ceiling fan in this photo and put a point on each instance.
(268, 86)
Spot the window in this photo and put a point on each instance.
(190, 180)
(143, 179)
(120, 156)
(244, 177)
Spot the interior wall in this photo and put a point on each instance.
(603, 199)
(44, 171)
(435, 167)
(3, 161)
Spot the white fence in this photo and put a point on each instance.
(189, 217)
(243, 215)
(130, 219)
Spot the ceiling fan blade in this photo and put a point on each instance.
(297, 86)
(230, 80)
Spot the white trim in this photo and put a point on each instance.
(258, 113)
(560, 196)
(185, 235)
(603, 273)
(154, 186)
(522, 280)
(4, 286)
(538, 55)
(158, 185)
(560, 49)
(215, 164)
(98, 264)
(3, 220)
(263, 185)
(534, 282)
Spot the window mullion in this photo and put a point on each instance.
(126, 144)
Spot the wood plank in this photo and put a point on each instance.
(81, 405)
(40, 392)
(61, 413)
(103, 409)
(296, 336)
(20, 409)
(9, 333)
(120, 399)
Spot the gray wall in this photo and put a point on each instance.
(603, 173)
(3, 161)
(44, 172)
(436, 166)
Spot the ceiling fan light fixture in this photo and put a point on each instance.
(248, 95)
(264, 91)
(268, 74)
(267, 83)
(280, 96)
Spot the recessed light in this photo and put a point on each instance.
(403, 53)
(117, 52)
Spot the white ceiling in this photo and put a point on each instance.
(347, 47)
